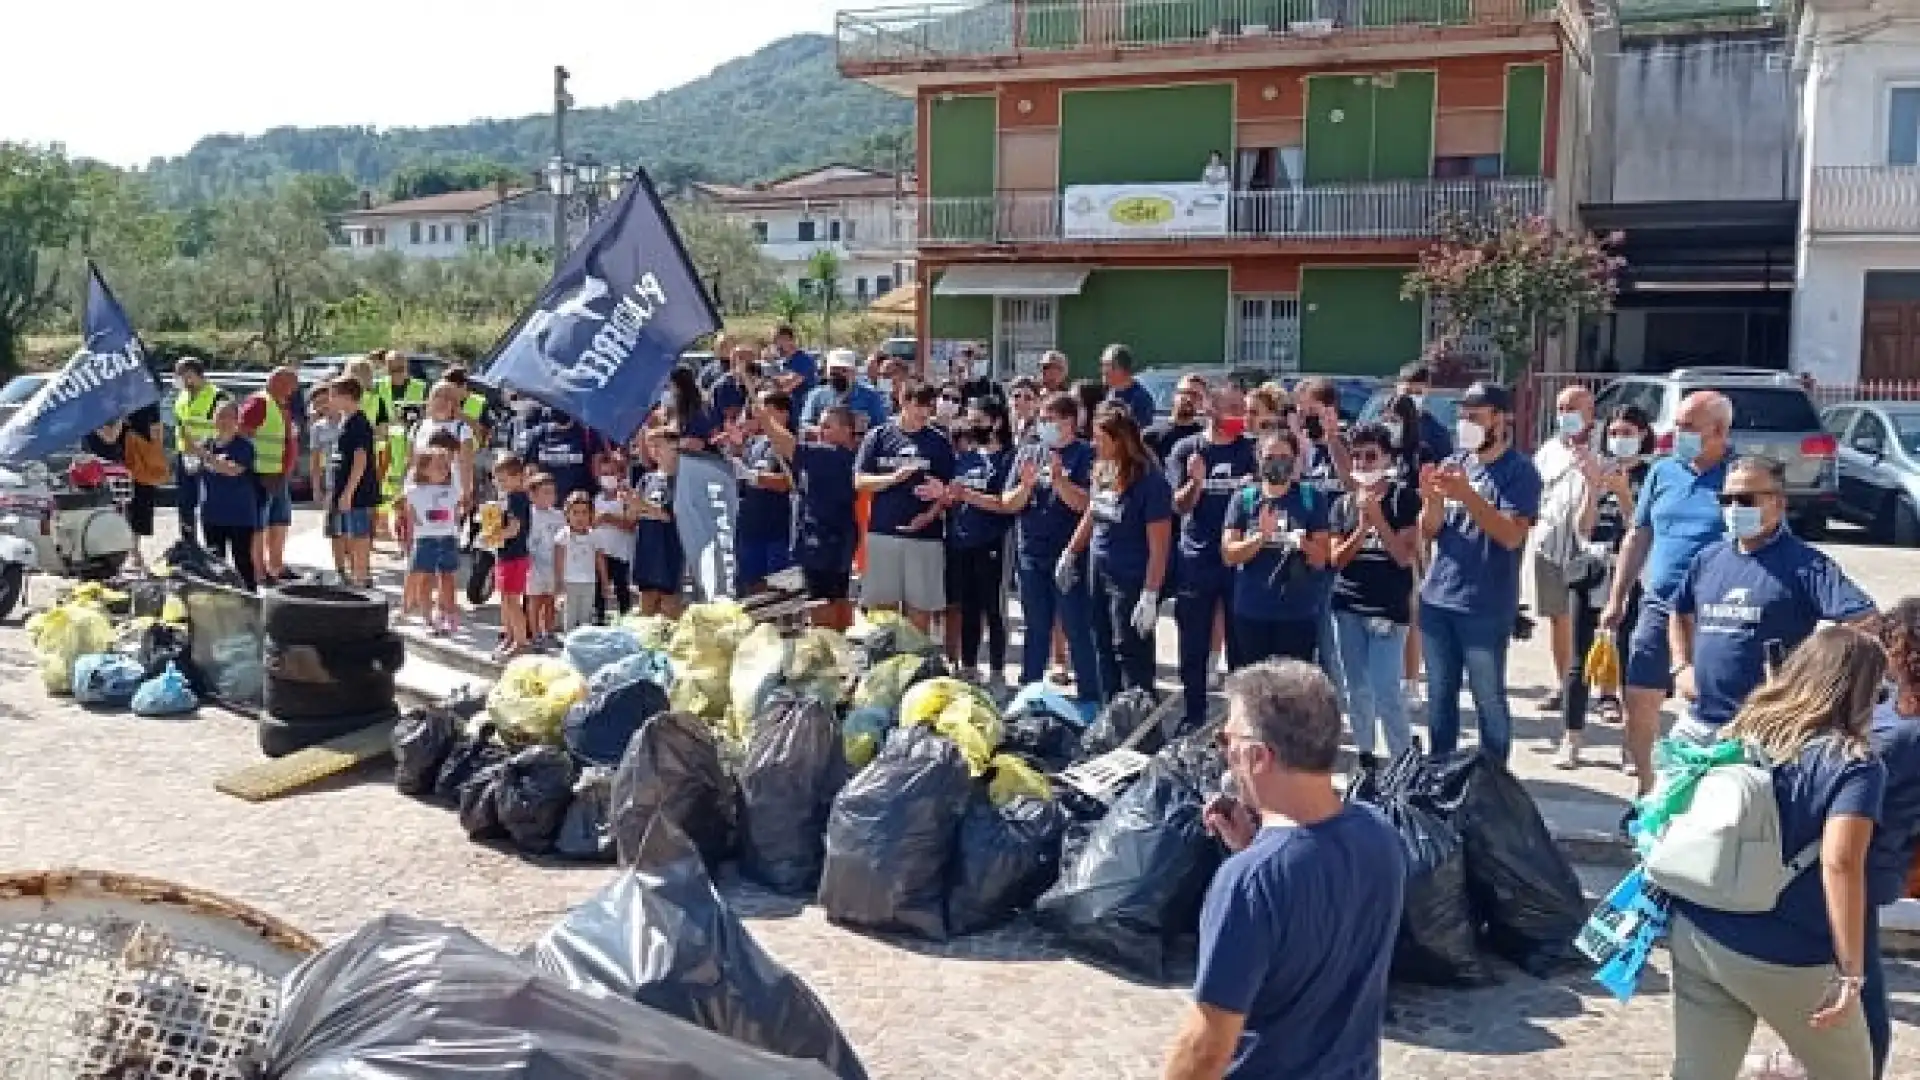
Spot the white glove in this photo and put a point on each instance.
(1065, 573)
(1146, 613)
(744, 471)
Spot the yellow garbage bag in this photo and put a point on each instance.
(886, 682)
(961, 713)
(174, 611)
(64, 633)
(701, 648)
(531, 699)
(906, 638)
(95, 594)
(1012, 778)
(1603, 662)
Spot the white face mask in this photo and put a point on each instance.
(1370, 477)
(1623, 446)
(1469, 435)
(608, 483)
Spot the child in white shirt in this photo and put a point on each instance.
(613, 527)
(429, 520)
(578, 563)
(543, 615)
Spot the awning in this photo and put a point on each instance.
(898, 302)
(990, 280)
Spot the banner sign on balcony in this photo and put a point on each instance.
(1144, 211)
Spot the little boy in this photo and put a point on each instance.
(543, 585)
(355, 489)
(513, 563)
(322, 433)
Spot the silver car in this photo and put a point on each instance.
(1879, 467)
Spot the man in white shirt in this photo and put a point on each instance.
(1554, 540)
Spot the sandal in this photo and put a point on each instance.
(1608, 708)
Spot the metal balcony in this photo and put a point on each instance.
(1389, 210)
(1864, 200)
(929, 36)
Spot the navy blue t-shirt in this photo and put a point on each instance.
(890, 448)
(1047, 522)
(519, 508)
(827, 533)
(1259, 590)
(726, 394)
(1231, 466)
(355, 434)
(803, 364)
(1682, 508)
(1471, 573)
(656, 489)
(765, 516)
(969, 526)
(1138, 400)
(1821, 784)
(1296, 936)
(1739, 602)
(1436, 442)
(1318, 471)
(232, 501)
(566, 454)
(1120, 520)
(1896, 739)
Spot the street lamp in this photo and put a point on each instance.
(590, 173)
(561, 176)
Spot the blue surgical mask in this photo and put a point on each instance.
(1742, 521)
(1571, 423)
(1687, 445)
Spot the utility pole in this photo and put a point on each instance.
(561, 102)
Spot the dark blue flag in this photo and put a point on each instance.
(612, 323)
(106, 380)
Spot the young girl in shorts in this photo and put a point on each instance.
(429, 519)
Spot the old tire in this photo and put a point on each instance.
(323, 615)
(480, 578)
(382, 654)
(308, 701)
(278, 738)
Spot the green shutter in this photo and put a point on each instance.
(1524, 149)
(1339, 128)
(960, 146)
(960, 318)
(1050, 24)
(1169, 318)
(1151, 135)
(1353, 322)
(1403, 127)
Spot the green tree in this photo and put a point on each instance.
(273, 251)
(37, 192)
(787, 305)
(331, 193)
(1509, 277)
(823, 281)
(441, 177)
(725, 254)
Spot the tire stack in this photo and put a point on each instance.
(330, 661)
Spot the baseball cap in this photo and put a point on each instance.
(1490, 395)
(842, 358)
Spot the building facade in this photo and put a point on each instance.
(1238, 182)
(1857, 311)
(450, 225)
(863, 216)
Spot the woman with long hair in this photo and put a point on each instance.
(1895, 736)
(1049, 489)
(1128, 527)
(977, 542)
(1401, 417)
(1275, 536)
(1801, 967)
(1092, 394)
(689, 410)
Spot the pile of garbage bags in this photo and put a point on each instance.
(87, 647)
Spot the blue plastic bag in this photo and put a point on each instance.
(1620, 934)
(1044, 697)
(106, 678)
(590, 648)
(166, 694)
(649, 664)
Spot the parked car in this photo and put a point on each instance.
(1161, 382)
(1772, 415)
(18, 391)
(1354, 390)
(1441, 402)
(1879, 467)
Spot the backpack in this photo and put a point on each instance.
(1723, 851)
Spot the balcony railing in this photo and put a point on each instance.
(958, 30)
(1865, 200)
(1389, 210)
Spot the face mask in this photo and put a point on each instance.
(1624, 446)
(608, 483)
(1048, 432)
(1688, 445)
(981, 432)
(1183, 414)
(1742, 521)
(1571, 423)
(885, 386)
(1469, 435)
(1395, 429)
(840, 383)
(1276, 470)
(1369, 477)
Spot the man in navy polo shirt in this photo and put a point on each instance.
(1116, 370)
(1676, 515)
(1476, 507)
(1761, 591)
(799, 371)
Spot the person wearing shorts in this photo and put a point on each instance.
(356, 490)
(906, 463)
(513, 561)
(428, 515)
(826, 533)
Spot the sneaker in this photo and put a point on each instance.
(1569, 755)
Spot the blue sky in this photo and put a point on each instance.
(126, 80)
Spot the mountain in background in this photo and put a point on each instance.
(781, 109)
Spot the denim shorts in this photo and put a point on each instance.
(276, 506)
(436, 555)
(354, 524)
(1649, 657)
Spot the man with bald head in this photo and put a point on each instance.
(267, 420)
(1675, 517)
(1556, 552)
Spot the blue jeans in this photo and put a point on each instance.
(1205, 586)
(1371, 663)
(1042, 606)
(1454, 644)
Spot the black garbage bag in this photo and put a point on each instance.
(407, 999)
(1435, 944)
(1038, 733)
(795, 765)
(422, 741)
(162, 644)
(469, 755)
(586, 833)
(536, 788)
(1007, 856)
(883, 642)
(1198, 760)
(1523, 890)
(598, 729)
(480, 803)
(1118, 720)
(1140, 878)
(891, 835)
(672, 769)
(660, 935)
(187, 557)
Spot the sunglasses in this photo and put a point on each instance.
(1745, 498)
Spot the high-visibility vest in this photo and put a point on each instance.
(193, 417)
(399, 449)
(415, 393)
(475, 406)
(270, 439)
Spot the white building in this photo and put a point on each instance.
(862, 215)
(1857, 309)
(450, 225)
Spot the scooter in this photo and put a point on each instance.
(72, 527)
